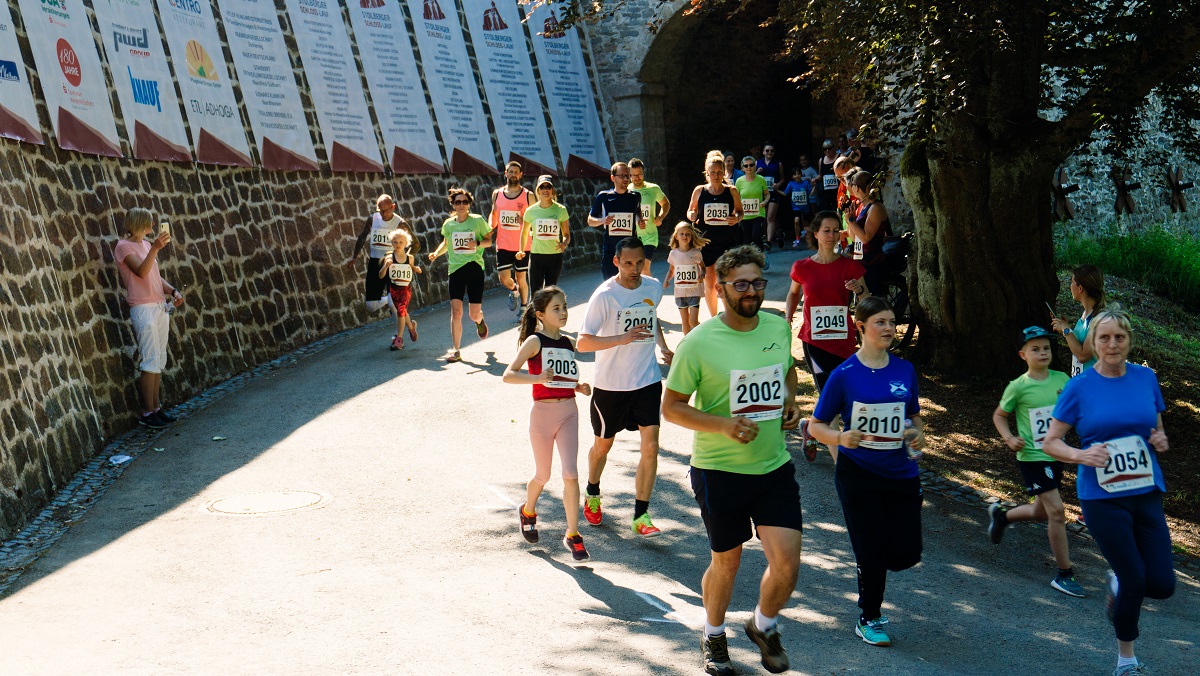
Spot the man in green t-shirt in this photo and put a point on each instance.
(739, 367)
(655, 206)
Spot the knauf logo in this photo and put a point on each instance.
(145, 92)
(9, 72)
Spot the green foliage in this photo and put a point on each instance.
(1159, 259)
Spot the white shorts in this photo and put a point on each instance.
(151, 324)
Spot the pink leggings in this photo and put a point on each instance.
(551, 421)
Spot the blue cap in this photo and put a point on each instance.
(1035, 332)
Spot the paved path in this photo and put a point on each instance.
(415, 564)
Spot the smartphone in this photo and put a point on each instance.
(1052, 315)
(164, 228)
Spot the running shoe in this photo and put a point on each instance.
(481, 329)
(152, 421)
(453, 357)
(766, 263)
(1110, 596)
(398, 343)
(514, 299)
(392, 345)
(872, 631)
(716, 655)
(1138, 669)
(528, 525)
(795, 244)
(807, 443)
(774, 658)
(643, 526)
(997, 522)
(162, 415)
(591, 509)
(412, 330)
(1065, 583)
(574, 544)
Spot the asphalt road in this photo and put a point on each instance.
(412, 562)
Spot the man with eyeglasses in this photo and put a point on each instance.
(507, 219)
(739, 367)
(655, 206)
(619, 212)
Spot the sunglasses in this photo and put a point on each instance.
(458, 202)
(747, 166)
(742, 286)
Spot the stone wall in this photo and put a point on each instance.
(261, 255)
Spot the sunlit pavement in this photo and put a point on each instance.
(359, 516)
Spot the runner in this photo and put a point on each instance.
(716, 208)
(378, 229)
(545, 234)
(877, 483)
(799, 199)
(740, 368)
(397, 268)
(618, 212)
(732, 173)
(554, 418)
(655, 206)
(621, 327)
(1116, 408)
(464, 237)
(753, 190)
(870, 228)
(508, 210)
(772, 172)
(827, 182)
(685, 266)
(826, 281)
(1032, 397)
(1087, 288)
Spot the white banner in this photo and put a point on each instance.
(143, 81)
(268, 84)
(581, 145)
(334, 85)
(18, 113)
(218, 133)
(73, 83)
(456, 100)
(396, 89)
(504, 61)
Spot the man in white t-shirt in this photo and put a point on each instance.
(376, 236)
(621, 327)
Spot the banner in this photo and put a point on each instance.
(504, 62)
(218, 133)
(18, 113)
(334, 85)
(396, 89)
(143, 81)
(456, 101)
(268, 84)
(73, 83)
(581, 144)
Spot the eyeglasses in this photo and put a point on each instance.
(742, 286)
(620, 175)
(458, 202)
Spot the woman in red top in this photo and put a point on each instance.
(826, 281)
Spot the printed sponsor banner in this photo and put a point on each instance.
(218, 133)
(18, 113)
(456, 98)
(334, 85)
(73, 83)
(581, 145)
(268, 84)
(504, 62)
(144, 86)
(396, 89)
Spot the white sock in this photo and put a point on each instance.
(710, 630)
(763, 622)
(1114, 584)
(1125, 661)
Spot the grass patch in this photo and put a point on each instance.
(1158, 259)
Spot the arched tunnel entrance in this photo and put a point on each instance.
(724, 87)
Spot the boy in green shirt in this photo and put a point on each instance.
(1032, 397)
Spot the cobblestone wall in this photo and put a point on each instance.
(261, 255)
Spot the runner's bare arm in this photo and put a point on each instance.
(677, 410)
(589, 343)
(565, 228)
(1000, 420)
(1057, 448)
(1158, 437)
(661, 339)
(791, 407)
(693, 211)
(514, 375)
(917, 441)
(664, 205)
(441, 249)
(795, 293)
(822, 432)
(736, 217)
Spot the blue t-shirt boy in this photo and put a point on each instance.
(800, 196)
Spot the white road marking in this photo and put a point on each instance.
(503, 497)
(689, 616)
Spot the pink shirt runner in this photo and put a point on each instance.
(507, 218)
(142, 291)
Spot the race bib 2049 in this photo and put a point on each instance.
(829, 322)
(757, 394)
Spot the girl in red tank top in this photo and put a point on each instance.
(554, 418)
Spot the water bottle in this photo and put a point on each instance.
(913, 454)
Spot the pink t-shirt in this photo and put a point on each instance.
(142, 291)
(508, 217)
(689, 266)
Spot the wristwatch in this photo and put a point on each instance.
(1067, 331)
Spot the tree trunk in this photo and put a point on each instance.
(984, 263)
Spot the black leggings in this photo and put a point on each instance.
(883, 518)
(752, 231)
(544, 270)
(820, 364)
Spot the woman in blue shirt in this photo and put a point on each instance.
(876, 477)
(1116, 408)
